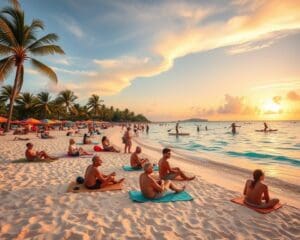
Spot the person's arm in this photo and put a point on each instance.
(156, 186)
(266, 194)
(245, 188)
(100, 176)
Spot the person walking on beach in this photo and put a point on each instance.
(256, 193)
(94, 179)
(135, 161)
(233, 128)
(152, 188)
(165, 170)
(127, 140)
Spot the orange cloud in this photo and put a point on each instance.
(293, 96)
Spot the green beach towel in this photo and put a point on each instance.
(137, 196)
(93, 143)
(129, 168)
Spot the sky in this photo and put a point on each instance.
(172, 59)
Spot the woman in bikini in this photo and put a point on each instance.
(256, 193)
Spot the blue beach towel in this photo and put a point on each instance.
(95, 143)
(137, 196)
(129, 168)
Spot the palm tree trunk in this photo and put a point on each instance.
(12, 98)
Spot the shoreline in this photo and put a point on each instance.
(232, 177)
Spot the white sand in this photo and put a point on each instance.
(34, 204)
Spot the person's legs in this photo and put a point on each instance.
(129, 146)
(182, 175)
(173, 187)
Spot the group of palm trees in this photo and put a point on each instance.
(19, 43)
(44, 106)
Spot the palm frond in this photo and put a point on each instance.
(29, 32)
(45, 50)
(15, 4)
(6, 66)
(6, 31)
(49, 38)
(41, 67)
(4, 50)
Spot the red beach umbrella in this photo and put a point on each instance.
(32, 121)
(3, 119)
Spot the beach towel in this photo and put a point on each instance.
(240, 201)
(93, 143)
(24, 160)
(137, 196)
(129, 168)
(82, 188)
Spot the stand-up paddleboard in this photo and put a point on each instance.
(179, 134)
(269, 130)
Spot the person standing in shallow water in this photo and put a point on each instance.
(256, 193)
(265, 126)
(177, 128)
(233, 128)
(147, 129)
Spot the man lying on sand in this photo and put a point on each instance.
(135, 161)
(32, 155)
(74, 151)
(94, 179)
(256, 193)
(165, 170)
(152, 188)
(107, 147)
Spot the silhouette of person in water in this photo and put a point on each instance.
(206, 128)
(233, 128)
(198, 128)
(265, 126)
(177, 128)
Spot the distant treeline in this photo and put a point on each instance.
(62, 106)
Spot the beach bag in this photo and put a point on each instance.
(79, 180)
(97, 148)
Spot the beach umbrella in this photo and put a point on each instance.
(56, 121)
(3, 119)
(31, 121)
(47, 121)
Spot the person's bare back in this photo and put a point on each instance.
(91, 175)
(256, 194)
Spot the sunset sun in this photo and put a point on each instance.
(271, 107)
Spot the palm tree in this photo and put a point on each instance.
(26, 104)
(67, 100)
(94, 104)
(6, 93)
(18, 42)
(44, 104)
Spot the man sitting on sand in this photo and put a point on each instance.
(94, 179)
(86, 139)
(152, 188)
(165, 170)
(256, 193)
(74, 150)
(135, 161)
(32, 155)
(106, 145)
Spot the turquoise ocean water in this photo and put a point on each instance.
(279, 150)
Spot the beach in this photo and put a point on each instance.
(35, 205)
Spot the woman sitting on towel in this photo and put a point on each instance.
(86, 139)
(94, 179)
(256, 193)
(74, 150)
(106, 145)
(153, 189)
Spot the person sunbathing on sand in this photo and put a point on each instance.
(74, 150)
(152, 188)
(135, 161)
(21, 139)
(256, 193)
(106, 145)
(32, 155)
(165, 170)
(94, 179)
